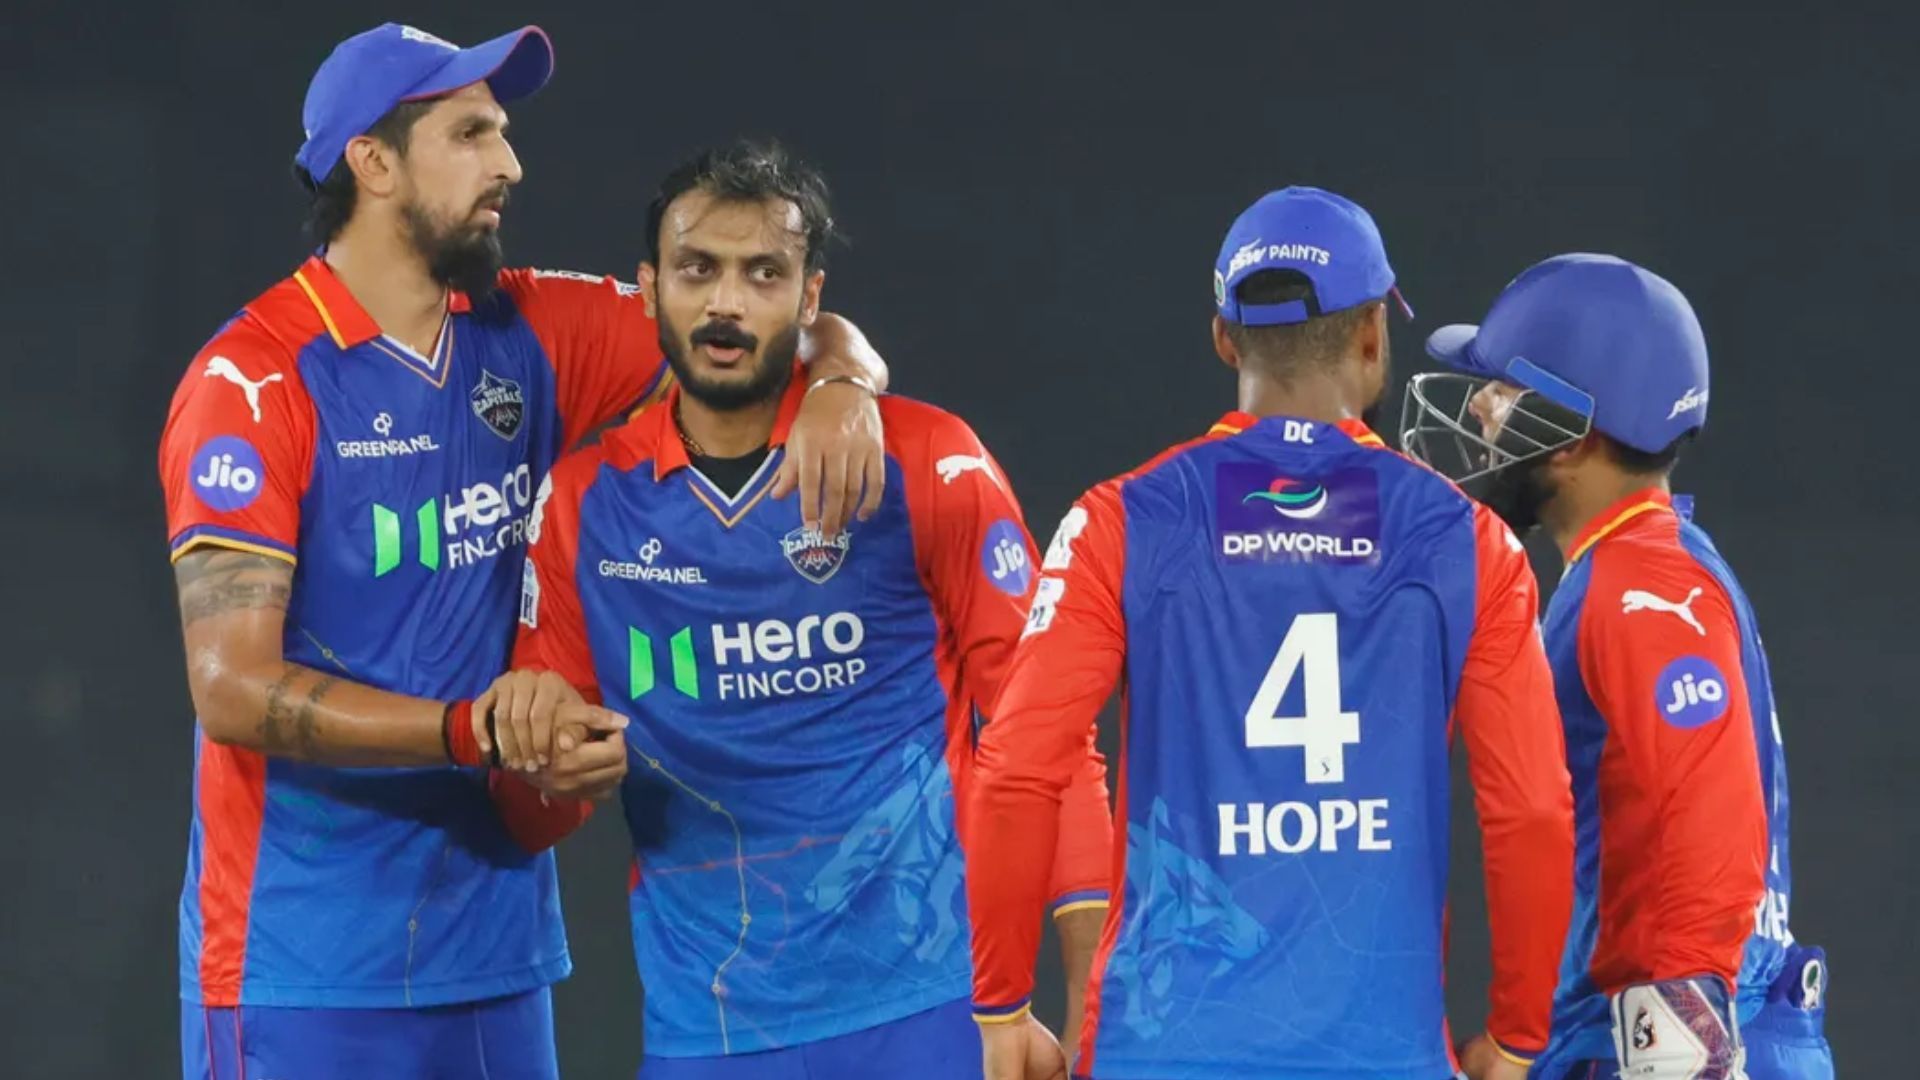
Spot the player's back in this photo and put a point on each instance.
(1299, 604)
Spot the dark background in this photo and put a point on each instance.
(1035, 196)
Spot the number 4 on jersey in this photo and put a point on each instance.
(1311, 647)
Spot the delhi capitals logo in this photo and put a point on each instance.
(813, 556)
(499, 403)
(1298, 499)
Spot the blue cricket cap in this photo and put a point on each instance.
(369, 73)
(1612, 341)
(1328, 238)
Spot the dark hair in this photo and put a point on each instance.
(330, 202)
(1640, 462)
(746, 171)
(1288, 350)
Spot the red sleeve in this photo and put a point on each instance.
(1063, 670)
(977, 557)
(604, 346)
(237, 450)
(552, 637)
(553, 629)
(535, 821)
(1680, 777)
(1516, 756)
(1083, 857)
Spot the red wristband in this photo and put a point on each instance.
(456, 730)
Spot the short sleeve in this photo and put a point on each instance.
(237, 450)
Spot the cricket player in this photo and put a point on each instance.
(803, 703)
(1301, 619)
(349, 466)
(1578, 392)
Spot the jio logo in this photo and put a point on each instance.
(1690, 692)
(226, 473)
(1004, 558)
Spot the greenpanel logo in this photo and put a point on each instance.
(640, 675)
(386, 537)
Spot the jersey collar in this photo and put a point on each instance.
(347, 322)
(1236, 422)
(1607, 522)
(670, 454)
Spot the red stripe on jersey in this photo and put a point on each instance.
(232, 802)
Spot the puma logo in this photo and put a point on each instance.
(1639, 600)
(229, 371)
(952, 466)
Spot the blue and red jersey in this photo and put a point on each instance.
(398, 485)
(1298, 619)
(1679, 776)
(803, 713)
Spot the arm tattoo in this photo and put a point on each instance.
(290, 729)
(215, 581)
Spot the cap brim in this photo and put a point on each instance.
(512, 65)
(1453, 346)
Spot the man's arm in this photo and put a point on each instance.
(1674, 696)
(1041, 735)
(234, 462)
(553, 666)
(232, 611)
(980, 567)
(1516, 756)
(835, 456)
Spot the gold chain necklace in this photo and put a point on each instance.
(687, 442)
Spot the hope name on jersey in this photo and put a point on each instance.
(1679, 774)
(803, 712)
(1298, 618)
(399, 486)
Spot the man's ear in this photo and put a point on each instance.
(375, 165)
(1223, 346)
(1372, 333)
(1588, 448)
(649, 281)
(810, 297)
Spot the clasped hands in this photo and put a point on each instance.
(548, 734)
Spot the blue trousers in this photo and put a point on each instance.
(507, 1038)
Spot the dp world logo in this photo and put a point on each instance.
(1297, 499)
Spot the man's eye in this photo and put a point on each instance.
(766, 274)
